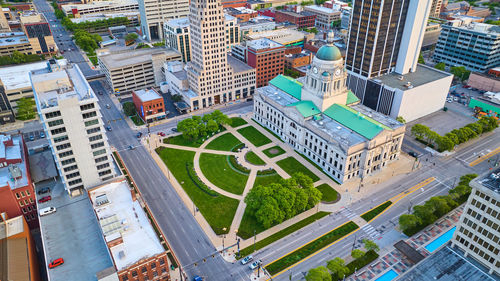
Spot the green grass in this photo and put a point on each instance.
(180, 140)
(311, 248)
(235, 165)
(137, 121)
(292, 166)
(248, 224)
(358, 264)
(217, 170)
(219, 211)
(329, 194)
(375, 211)
(270, 155)
(272, 133)
(316, 165)
(280, 234)
(172, 260)
(252, 158)
(237, 121)
(267, 179)
(225, 142)
(254, 136)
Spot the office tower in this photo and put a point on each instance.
(68, 109)
(37, 29)
(154, 13)
(478, 232)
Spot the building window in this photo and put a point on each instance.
(87, 106)
(100, 159)
(55, 123)
(58, 131)
(91, 122)
(60, 139)
(52, 114)
(17, 195)
(88, 115)
(99, 152)
(144, 269)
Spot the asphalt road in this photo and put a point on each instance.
(63, 39)
(183, 233)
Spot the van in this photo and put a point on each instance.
(47, 211)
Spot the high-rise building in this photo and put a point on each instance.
(70, 115)
(37, 29)
(267, 57)
(4, 24)
(385, 38)
(154, 13)
(17, 194)
(473, 45)
(478, 232)
(435, 8)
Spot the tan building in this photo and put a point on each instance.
(324, 16)
(319, 117)
(154, 13)
(37, 29)
(297, 60)
(134, 245)
(100, 7)
(18, 259)
(435, 8)
(485, 82)
(14, 41)
(478, 232)
(4, 24)
(136, 69)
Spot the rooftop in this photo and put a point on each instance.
(64, 236)
(447, 264)
(490, 180)
(50, 87)
(180, 22)
(147, 95)
(103, 16)
(301, 14)
(239, 11)
(480, 27)
(18, 76)
(13, 38)
(282, 36)
(122, 217)
(421, 76)
(98, 4)
(15, 175)
(237, 65)
(262, 43)
(128, 57)
(322, 9)
(14, 251)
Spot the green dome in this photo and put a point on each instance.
(329, 53)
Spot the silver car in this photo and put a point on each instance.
(246, 260)
(255, 264)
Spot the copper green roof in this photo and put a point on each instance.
(351, 98)
(306, 108)
(329, 53)
(355, 121)
(288, 85)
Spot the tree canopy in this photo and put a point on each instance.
(337, 267)
(318, 274)
(196, 126)
(440, 66)
(276, 202)
(26, 109)
(460, 72)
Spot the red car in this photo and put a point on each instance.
(56, 263)
(466, 87)
(45, 199)
(161, 134)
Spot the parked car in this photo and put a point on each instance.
(99, 93)
(174, 130)
(197, 278)
(47, 211)
(44, 190)
(109, 128)
(56, 263)
(255, 264)
(45, 199)
(130, 147)
(162, 134)
(32, 137)
(413, 154)
(139, 135)
(246, 260)
(42, 135)
(466, 87)
(108, 106)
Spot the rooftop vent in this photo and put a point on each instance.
(101, 200)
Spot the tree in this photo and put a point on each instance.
(444, 143)
(176, 98)
(357, 253)
(129, 108)
(408, 221)
(318, 274)
(131, 37)
(424, 214)
(370, 245)
(452, 137)
(460, 72)
(26, 109)
(18, 57)
(440, 66)
(420, 131)
(439, 205)
(336, 23)
(337, 268)
(212, 126)
(269, 213)
(401, 120)
(421, 59)
(189, 128)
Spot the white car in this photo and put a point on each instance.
(246, 260)
(255, 264)
(47, 211)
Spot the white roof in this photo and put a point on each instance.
(322, 9)
(147, 95)
(125, 218)
(17, 77)
(13, 152)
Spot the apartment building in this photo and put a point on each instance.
(136, 69)
(149, 105)
(134, 245)
(100, 7)
(324, 16)
(14, 41)
(37, 29)
(301, 20)
(17, 193)
(473, 45)
(19, 259)
(71, 118)
(154, 13)
(435, 8)
(267, 57)
(478, 232)
(323, 120)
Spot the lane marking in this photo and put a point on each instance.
(484, 157)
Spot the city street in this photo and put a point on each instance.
(63, 39)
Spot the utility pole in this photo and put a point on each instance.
(409, 207)
(254, 238)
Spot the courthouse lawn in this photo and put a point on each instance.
(216, 169)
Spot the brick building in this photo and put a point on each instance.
(301, 20)
(267, 57)
(149, 105)
(297, 60)
(242, 13)
(233, 3)
(135, 247)
(17, 195)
